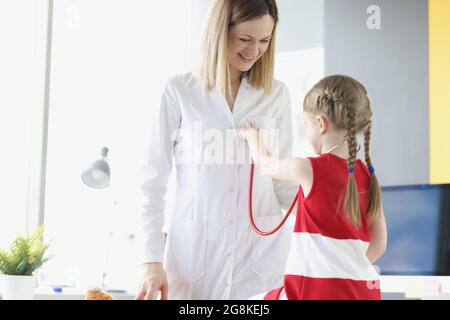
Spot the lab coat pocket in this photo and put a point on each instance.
(270, 253)
(186, 250)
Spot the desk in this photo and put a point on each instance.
(392, 288)
(415, 287)
(74, 294)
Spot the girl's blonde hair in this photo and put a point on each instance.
(214, 67)
(345, 103)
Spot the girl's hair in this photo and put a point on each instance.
(345, 103)
(214, 67)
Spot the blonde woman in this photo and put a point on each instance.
(210, 251)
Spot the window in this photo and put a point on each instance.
(18, 65)
(110, 62)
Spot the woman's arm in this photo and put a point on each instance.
(156, 171)
(378, 237)
(292, 169)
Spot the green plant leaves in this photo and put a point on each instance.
(25, 256)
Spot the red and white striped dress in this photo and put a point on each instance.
(327, 258)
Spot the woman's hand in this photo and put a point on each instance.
(154, 280)
(249, 131)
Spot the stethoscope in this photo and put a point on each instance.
(250, 208)
(288, 213)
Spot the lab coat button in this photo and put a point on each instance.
(231, 190)
(229, 254)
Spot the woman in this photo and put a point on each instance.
(211, 251)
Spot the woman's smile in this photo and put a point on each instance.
(246, 59)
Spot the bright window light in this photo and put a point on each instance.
(110, 62)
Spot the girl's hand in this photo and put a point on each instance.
(249, 131)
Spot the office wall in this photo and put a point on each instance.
(393, 64)
(301, 25)
(439, 15)
(300, 59)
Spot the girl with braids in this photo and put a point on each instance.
(340, 229)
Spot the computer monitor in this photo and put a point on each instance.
(418, 222)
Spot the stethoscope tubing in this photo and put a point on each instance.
(250, 208)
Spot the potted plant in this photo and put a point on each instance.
(18, 265)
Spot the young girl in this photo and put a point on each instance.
(340, 229)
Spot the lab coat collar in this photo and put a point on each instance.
(245, 84)
(221, 101)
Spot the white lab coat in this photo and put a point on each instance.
(211, 251)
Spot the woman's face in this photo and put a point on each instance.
(247, 42)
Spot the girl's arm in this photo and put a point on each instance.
(292, 169)
(378, 237)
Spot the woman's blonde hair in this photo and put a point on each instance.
(214, 67)
(345, 103)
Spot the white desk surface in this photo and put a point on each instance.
(395, 287)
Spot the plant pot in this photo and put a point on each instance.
(17, 287)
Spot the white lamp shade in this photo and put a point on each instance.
(98, 175)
